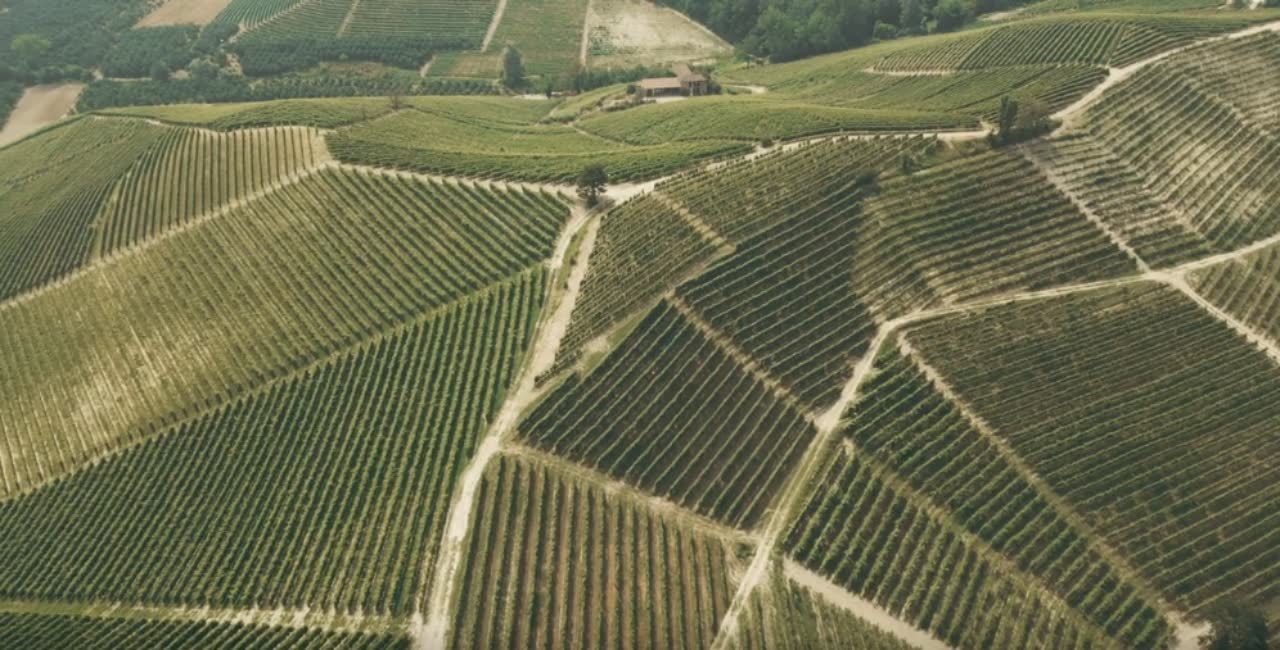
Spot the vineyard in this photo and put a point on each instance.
(1248, 288)
(977, 226)
(751, 118)
(225, 310)
(320, 332)
(873, 535)
(193, 172)
(326, 489)
(671, 412)
(1152, 419)
(47, 209)
(439, 143)
(910, 429)
(643, 249)
(1178, 162)
(786, 616)
(41, 632)
(553, 560)
(1110, 40)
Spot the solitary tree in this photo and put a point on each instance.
(512, 68)
(1235, 627)
(29, 48)
(1007, 119)
(591, 184)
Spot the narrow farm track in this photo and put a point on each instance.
(584, 47)
(493, 25)
(864, 609)
(346, 20)
(432, 633)
(615, 486)
(795, 488)
(282, 617)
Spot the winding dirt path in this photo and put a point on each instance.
(433, 632)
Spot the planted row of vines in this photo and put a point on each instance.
(670, 412)
(194, 172)
(57, 632)
(557, 561)
(150, 338)
(327, 489)
(1151, 419)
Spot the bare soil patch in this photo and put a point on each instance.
(184, 12)
(636, 32)
(39, 107)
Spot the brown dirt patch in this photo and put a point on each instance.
(184, 12)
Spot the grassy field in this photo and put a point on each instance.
(319, 113)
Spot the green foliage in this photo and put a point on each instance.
(57, 631)
(30, 49)
(512, 69)
(950, 15)
(79, 32)
(10, 94)
(591, 184)
(1235, 627)
(142, 52)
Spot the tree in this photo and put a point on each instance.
(912, 20)
(591, 184)
(1006, 119)
(512, 68)
(1235, 627)
(160, 71)
(951, 15)
(29, 48)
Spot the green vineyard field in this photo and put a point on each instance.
(1247, 288)
(205, 313)
(672, 413)
(554, 561)
(327, 489)
(56, 632)
(1149, 417)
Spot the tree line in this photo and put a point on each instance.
(783, 30)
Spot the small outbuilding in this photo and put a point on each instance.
(686, 82)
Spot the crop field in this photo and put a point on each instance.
(361, 452)
(787, 616)
(1111, 40)
(193, 172)
(671, 412)
(328, 334)
(877, 538)
(947, 235)
(248, 13)
(643, 249)
(1148, 416)
(1247, 287)
(1174, 140)
(47, 209)
(759, 118)
(37, 631)
(441, 143)
(226, 311)
(557, 561)
(318, 113)
(548, 34)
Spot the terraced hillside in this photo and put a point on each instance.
(826, 367)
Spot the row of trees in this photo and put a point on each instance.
(789, 29)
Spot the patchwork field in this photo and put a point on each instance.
(949, 341)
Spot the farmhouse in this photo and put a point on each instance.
(686, 82)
